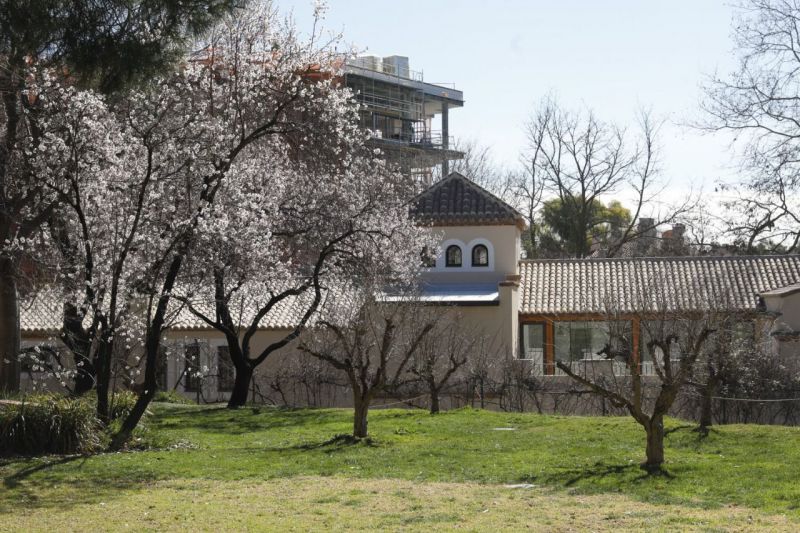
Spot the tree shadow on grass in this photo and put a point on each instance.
(239, 421)
(336, 443)
(28, 476)
(14, 479)
(619, 473)
(678, 428)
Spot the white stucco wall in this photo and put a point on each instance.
(504, 251)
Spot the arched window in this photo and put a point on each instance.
(453, 256)
(480, 256)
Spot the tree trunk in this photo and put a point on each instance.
(152, 349)
(707, 404)
(706, 412)
(145, 397)
(9, 327)
(655, 444)
(103, 366)
(241, 386)
(434, 392)
(78, 342)
(136, 414)
(360, 412)
(84, 379)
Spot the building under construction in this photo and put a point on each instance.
(403, 111)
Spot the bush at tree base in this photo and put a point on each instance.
(54, 424)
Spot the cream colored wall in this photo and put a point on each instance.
(505, 241)
(495, 322)
(788, 308)
(499, 322)
(258, 343)
(41, 380)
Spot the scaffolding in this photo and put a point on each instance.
(394, 111)
(399, 108)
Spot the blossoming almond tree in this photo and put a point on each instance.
(260, 87)
(132, 222)
(289, 231)
(128, 194)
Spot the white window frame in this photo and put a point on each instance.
(466, 256)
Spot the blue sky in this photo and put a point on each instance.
(613, 56)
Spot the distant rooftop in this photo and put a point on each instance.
(394, 65)
(396, 69)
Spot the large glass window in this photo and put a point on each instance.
(532, 346)
(663, 330)
(532, 342)
(586, 340)
(575, 341)
(453, 256)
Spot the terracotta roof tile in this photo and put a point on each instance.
(456, 200)
(681, 283)
(41, 314)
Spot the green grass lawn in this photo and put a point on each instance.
(262, 464)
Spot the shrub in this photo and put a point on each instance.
(45, 424)
(121, 404)
(171, 397)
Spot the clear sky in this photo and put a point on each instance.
(612, 55)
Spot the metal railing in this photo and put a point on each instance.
(590, 367)
(410, 108)
(372, 65)
(422, 139)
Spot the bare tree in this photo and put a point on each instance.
(758, 104)
(580, 160)
(371, 342)
(441, 354)
(740, 378)
(718, 361)
(479, 166)
(520, 386)
(306, 380)
(482, 366)
(674, 339)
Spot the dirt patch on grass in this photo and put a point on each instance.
(335, 503)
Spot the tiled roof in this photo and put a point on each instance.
(42, 313)
(676, 283)
(286, 314)
(456, 200)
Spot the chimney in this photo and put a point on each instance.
(647, 227)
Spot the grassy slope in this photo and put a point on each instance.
(744, 466)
